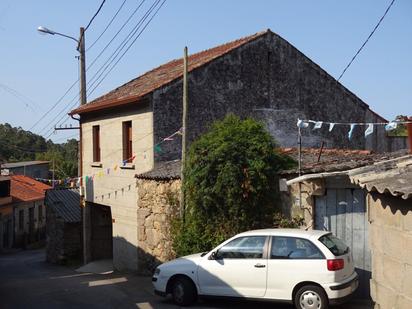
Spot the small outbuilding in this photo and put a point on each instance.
(64, 225)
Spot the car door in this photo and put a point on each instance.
(238, 269)
(292, 260)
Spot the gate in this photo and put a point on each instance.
(343, 212)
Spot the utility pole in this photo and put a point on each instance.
(85, 208)
(184, 136)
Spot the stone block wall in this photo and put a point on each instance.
(64, 240)
(391, 245)
(158, 204)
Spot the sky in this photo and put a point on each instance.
(36, 70)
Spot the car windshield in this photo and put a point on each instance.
(334, 244)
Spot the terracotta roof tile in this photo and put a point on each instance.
(137, 88)
(26, 189)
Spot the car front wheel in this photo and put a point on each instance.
(183, 291)
(311, 297)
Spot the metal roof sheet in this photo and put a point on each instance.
(391, 176)
(66, 204)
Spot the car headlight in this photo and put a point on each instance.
(157, 271)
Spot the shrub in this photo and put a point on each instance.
(231, 184)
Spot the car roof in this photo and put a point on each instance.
(310, 234)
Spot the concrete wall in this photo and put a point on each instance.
(270, 80)
(391, 244)
(157, 206)
(22, 235)
(118, 189)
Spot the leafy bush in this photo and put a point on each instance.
(231, 184)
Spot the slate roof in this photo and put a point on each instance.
(136, 89)
(26, 189)
(163, 171)
(65, 203)
(390, 176)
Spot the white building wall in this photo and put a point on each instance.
(117, 188)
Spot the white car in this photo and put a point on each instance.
(311, 269)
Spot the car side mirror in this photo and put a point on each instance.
(213, 255)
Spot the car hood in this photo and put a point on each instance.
(192, 259)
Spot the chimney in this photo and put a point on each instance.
(409, 125)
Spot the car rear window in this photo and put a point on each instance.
(334, 244)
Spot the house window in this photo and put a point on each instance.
(21, 219)
(96, 143)
(127, 141)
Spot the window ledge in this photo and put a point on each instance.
(96, 164)
(128, 166)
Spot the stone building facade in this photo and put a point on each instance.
(63, 228)
(157, 206)
(260, 76)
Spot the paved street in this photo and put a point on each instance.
(27, 281)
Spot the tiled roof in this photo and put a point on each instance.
(333, 160)
(21, 164)
(390, 176)
(163, 171)
(65, 203)
(26, 189)
(137, 88)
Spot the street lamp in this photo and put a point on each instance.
(85, 210)
(80, 48)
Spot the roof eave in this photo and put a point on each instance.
(105, 104)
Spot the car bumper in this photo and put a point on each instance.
(159, 285)
(341, 291)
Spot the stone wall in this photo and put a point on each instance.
(270, 80)
(158, 204)
(391, 244)
(64, 240)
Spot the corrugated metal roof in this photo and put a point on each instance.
(163, 171)
(390, 176)
(66, 204)
(22, 164)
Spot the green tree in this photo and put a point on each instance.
(230, 183)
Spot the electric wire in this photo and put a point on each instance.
(94, 16)
(107, 45)
(107, 27)
(366, 41)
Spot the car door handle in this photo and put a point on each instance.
(258, 265)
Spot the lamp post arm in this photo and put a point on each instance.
(66, 36)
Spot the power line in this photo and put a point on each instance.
(145, 26)
(125, 41)
(94, 16)
(107, 45)
(366, 41)
(25, 100)
(108, 25)
(119, 49)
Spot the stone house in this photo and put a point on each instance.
(29, 214)
(337, 194)
(260, 76)
(6, 214)
(63, 225)
(23, 217)
(388, 187)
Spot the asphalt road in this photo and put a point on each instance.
(27, 281)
